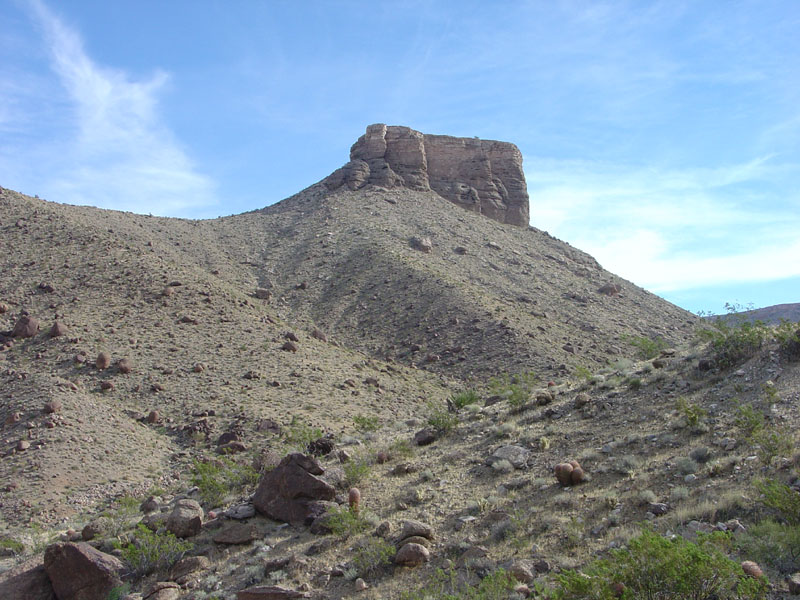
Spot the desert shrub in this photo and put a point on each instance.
(465, 398)
(298, 435)
(355, 471)
(656, 567)
(446, 585)
(401, 448)
(781, 498)
(733, 341)
(633, 383)
(686, 465)
(773, 544)
(693, 413)
(516, 389)
(441, 419)
(118, 519)
(772, 442)
(582, 373)
(216, 479)
(373, 554)
(345, 521)
(787, 335)
(646, 348)
(11, 546)
(366, 423)
(749, 420)
(151, 551)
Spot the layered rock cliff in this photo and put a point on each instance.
(483, 176)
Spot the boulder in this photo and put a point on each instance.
(163, 590)
(186, 519)
(412, 555)
(269, 592)
(27, 581)
(236, 533)
(81, 572)
(287, 492)
(26, 327)
(516, 455)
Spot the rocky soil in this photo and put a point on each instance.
(350, 317)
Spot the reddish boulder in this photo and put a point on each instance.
(26, 581)
(103, 361)
(80, 572)
(25, 327)
(288, 492)
(58, 329)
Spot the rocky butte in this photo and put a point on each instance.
(484, 176)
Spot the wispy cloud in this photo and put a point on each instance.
(116, 152)
(670, 229)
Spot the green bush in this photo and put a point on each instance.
(693, 413)
(731, 344)
(298, 435)
(373, 554)
(11, 546)
(151, 551)
(355, 471)
(772, 442)
(366, 422)
(344, 521)
(401, 449)
(646, 348)
(654, 567)
(442, 420)
(781, 498)
(447, 585)
(217, 479)
(774, 544)
(516, 389)
(465, 398)
(787, 335)
(749, 420)
(119, 519)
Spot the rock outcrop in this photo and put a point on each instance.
(483, 176)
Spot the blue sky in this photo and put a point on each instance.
(661, 137)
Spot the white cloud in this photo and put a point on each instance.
(669, 229)
(116, 153)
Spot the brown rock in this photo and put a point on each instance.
(424, 437)
(409, 528)
(26, 327)
(286, 492)
(577, 475)
(610, 289)
(263, 294)
(792, 581)
(107, 386)
(582, 400)
(412, 555)
(153, 417)
(354, 499)
(27, 581)
(4, 308)
(563, 473)
(269, 592)
(80, 572)
(320, 335)
(186, 519)
(422, 244)
(124, 365)
(13, 418)
(103, 361)
(415, 539)
(23, 445)
(58, 329)
(52, 406)
(291, 336)
(289, 346)
(163, 590)
(237, 533)
(480, 175)
(187, 566)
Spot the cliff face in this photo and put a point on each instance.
(483, 176)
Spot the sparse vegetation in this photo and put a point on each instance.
(465, 398)
(371, 555)
(733, 340)
(447, 585)
(365, 423)
(516, 389)
(646, 348)
(441, 419)
(150, 551)
(656, 567)
(345, 521)
(298, 435)
(356, 470)
(691, 412)
(216, 479)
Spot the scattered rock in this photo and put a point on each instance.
(425, 437)
(289, 346)
(163, 590)
(610, 289)
(412, 555)
(153, 417)
(582, 399)
(317, 334)
(286, 492)
(52, 406)
(103, 361)
(187, 566)
(793, 582)
(26, 327)
(23, 445)
(124, 365)
(241, 511)
(107, 386)
(58, 329)
(569, 473)
(263, 294)
(186, 519)
(80, 572)
(27, 581)
(422, 244)
(360, 585)
(269, 592)
(516, 455)
(322, 446)
(409, 528)
(236, 533)
(150, 505)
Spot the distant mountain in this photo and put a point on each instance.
(771, 315)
